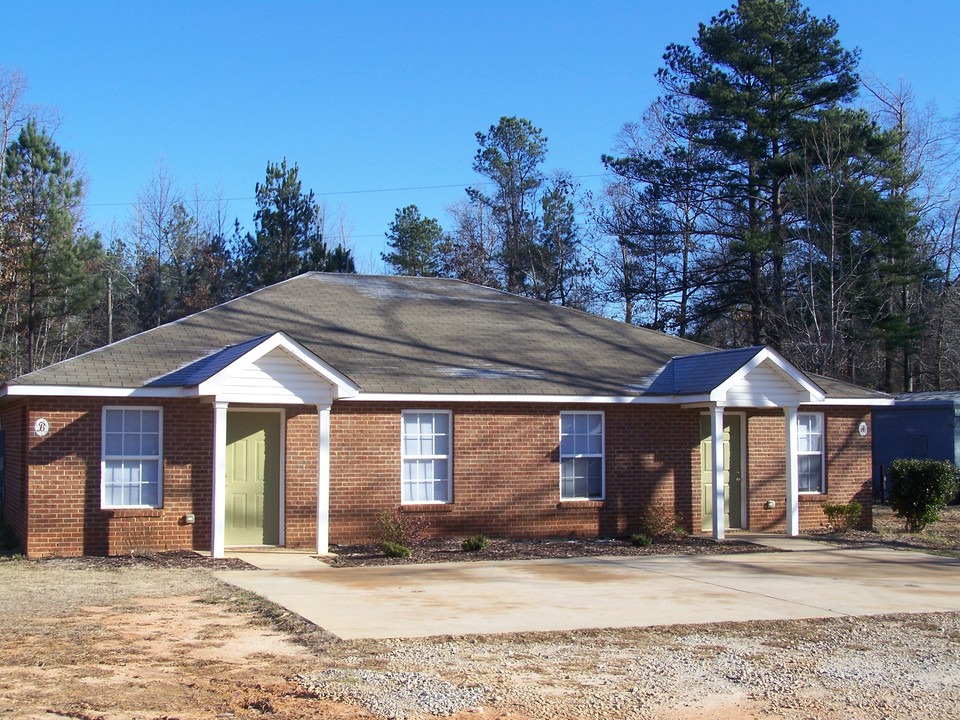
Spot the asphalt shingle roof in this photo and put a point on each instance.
(399, 335)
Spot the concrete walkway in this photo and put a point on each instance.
(812, 580)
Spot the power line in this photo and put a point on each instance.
(340, 192)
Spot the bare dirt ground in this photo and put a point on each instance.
(159, 638)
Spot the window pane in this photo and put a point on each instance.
(148, 495)
(594, 473)
(566, 424)
(566, 481)
(411, 424)
(114, 421)
(580, 424)
(149, 472)
(426, 424)
(131, 444)
(579, 444)
(150, 444)
(440, 445)
(567, 445)
(595, 446)
(150, 421)
(131, 421)
(113, 444)
(410, 446)
(594, 424)
(440, 421)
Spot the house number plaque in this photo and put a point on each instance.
(862, 429)
(41, 427)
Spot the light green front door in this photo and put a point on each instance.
(253, 479)
(733, 470)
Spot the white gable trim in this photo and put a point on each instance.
(342, 386)
(808, 392)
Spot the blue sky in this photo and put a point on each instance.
(370, 98)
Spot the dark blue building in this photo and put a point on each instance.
(923, 425)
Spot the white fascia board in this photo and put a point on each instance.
(86, 391)
(344, 386)
(585, 399)
(718, 394)
(850, 402)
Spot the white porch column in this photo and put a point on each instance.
(793, 494)
(219, 478)
(717, 462)
(323, 479)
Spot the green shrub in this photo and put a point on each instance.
(842, 516)
(641, 539)
(395, 550)
(401, 528)
(474, 544)
(920, 489)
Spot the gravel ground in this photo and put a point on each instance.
(900, 666)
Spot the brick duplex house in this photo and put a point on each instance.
(296, 415)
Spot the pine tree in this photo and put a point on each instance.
(414, 241)
(49, 283)
(757, 77)
(288, 237)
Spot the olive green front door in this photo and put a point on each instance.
(253, 479)
(732, 473)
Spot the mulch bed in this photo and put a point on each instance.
(448, 550)
(941, 537)
(177, 559)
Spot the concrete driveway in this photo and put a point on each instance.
(812, 580)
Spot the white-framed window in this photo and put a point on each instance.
(810, 452)
(426, 456)
(581, 456)
(131, 467)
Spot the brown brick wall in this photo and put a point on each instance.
(848, 469)
(300, 478)
(64, 476)
(505, 470)
(506, 476)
